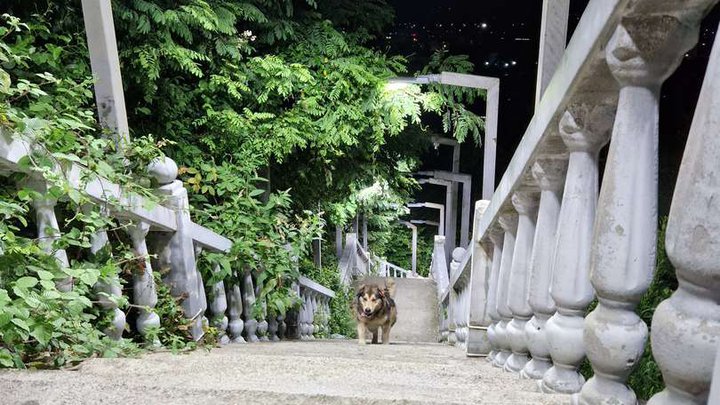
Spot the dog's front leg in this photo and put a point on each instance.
(386, 334)
(361, 333)
(375, 337)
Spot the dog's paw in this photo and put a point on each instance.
(361, 342)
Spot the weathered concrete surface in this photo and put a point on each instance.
(318, 372)
(416, 300)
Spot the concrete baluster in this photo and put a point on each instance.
(478, 316)
(496, 236)
(218, 308)
(686, 327)
(313, 321)
(248, 294)
(48, 230)
(549, 172)
(235, 311)
(262, 323)
(641, 54)
(525, 202)
(144, 293)
(509, 223)
(175, 250)
(584, 129)
(273, 328)
(108, 289)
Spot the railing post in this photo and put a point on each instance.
(686, 327)
(509, 223)
(175, 250)
(218, 307)
(549, 173)
(525, 202)
(262, 323)
(496, 236)
(144, 293)
(642, 53)
(584, 129)
(478, 318)
(440, 271)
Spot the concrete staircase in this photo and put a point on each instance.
(416, 300)
(288, 372)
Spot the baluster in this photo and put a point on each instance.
(549, 172)
(235, 310)
(313, 318)
(584, 129)
(273, 328)
(144, 293)
(262, 324)
(496, 236)
(526, 204)
(326, 321)
(281, 327)
(248, 293)
(48, 229)
(108, 288)
(641, 54)
(304, 315)
(686, 327)
(509, 222)
(218, 307)
(175, 250)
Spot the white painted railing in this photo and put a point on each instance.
(548, 243)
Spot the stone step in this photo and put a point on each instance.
(416, 300)
(294, 372)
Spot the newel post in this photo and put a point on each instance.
(175, 250)
(549, 172)
(642, 53)
(144, 292)
(478, 289)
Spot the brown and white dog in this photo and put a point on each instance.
(374, 308)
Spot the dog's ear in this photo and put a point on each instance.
(361, 291)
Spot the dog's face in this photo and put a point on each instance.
(369, 299)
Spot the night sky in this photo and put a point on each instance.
(501, 39)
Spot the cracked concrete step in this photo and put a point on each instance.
(416, 300)
(314, 372)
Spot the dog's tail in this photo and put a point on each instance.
(390, 287)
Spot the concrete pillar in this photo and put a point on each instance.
(549, 173)
(235, 311)
(105, 65)
(338, 241)
(175, 250)
(465, 214)
(478, 290)
(525, 202)
(553, 37)
(641, 54)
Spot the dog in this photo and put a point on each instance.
(374, 307)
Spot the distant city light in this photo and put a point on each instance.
(514, 63)
(483, 25)
(507, 64)
(487, 63)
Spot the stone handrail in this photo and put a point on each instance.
(547, 244)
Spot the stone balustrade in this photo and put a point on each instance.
(162, 237)
(553, 239)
